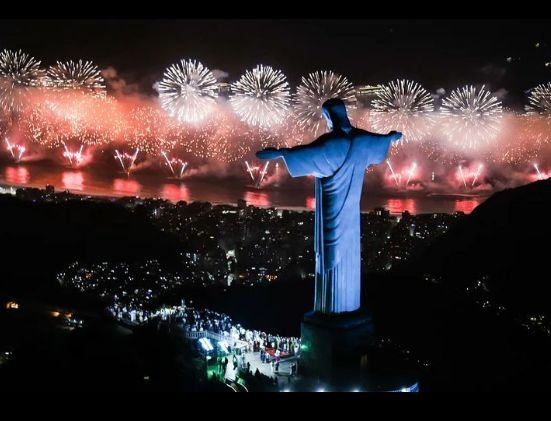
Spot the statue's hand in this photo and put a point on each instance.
(395, 135)
(269, 153)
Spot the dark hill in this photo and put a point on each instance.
(39, 239)
(506, 239)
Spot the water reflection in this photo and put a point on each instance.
(257, 199)
(125, 187)
(89, 181)
(175, 193)
(397, 206)
(17, 175)
(466, 206)
(73, 180)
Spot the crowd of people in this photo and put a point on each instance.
(270, 346)
(237, 340)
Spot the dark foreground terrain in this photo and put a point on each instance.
(474, 304)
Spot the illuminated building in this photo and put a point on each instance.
(12, 305)
(366, 93)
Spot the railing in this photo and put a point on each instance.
(189, 334)
(220, 337)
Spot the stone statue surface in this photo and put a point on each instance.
(338, 160)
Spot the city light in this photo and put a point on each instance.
(12, 305)
(206, 344)
(224, 345)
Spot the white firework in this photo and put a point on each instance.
(404, 106)
(188, 91)
(76, 75)
(261, 97)
(314, 90)
(471, 117)
(538, 115)
(18, 73)
(539, 100)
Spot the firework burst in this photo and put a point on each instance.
(231, 139)
(539, 100)
(150, 130)
(194, 140)
(224, 139)
(404, 176)
(257, 172)
(469, 177)
(126, 160)
(18, 73)
(16, 151)
(405, 106)
(539, 113)
(261, 97)
(77, 75)
(188, 91)
(471, 118)
(176, 165)
(287, 134)
(64, 118)
(313, 91)
(74, 157)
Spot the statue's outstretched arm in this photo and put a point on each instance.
(270, 153)
(379, 145)
(300, 160)
(390, 137)
(274, 153)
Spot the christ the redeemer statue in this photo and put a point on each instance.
(338, 161)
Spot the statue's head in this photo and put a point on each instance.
(334, 111)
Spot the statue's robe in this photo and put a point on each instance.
(338, 161)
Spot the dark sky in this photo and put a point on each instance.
(443, 53)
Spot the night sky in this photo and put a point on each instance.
(438, 54)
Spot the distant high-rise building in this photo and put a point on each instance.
(381, 212)
(224, 89)
(50, 189)
(365, 94)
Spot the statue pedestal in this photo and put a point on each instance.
(336, 346)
